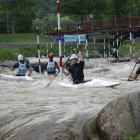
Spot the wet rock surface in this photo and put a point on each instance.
(119, 118)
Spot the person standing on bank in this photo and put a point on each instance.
(21, 67)
(137, 71)
(76, 69)
(114, 53)
(51, 65)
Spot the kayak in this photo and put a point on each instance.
(90, 83)
(51, 74)
(130, 79)
(26, 77)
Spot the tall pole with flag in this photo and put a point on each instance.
(59, 34)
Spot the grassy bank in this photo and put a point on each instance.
(32, 51)
(20, 37)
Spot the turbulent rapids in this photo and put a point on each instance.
(31, 111)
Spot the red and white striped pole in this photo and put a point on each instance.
(38, 51)
(51, 46)
(79, 42)
(59, 34)
(47, 48)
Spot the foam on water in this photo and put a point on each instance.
(32, 111)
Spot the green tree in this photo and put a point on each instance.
(123, 8)
(21, 14)
(44, 8)
(82, 8)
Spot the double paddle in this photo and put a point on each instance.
(132, 71)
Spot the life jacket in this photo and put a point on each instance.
(21, 70)
(51, 67)
(77, 73)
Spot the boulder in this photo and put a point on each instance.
(8, 63)
(119, 118)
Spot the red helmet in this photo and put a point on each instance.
(50, 56)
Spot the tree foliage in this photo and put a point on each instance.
(44, 8)
(21, 14)
(82, 8)
(100, 9)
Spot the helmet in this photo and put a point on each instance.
(73, 56)
(50, 56)
(20, 58)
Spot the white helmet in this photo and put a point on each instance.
(73, 56)
(20, 57)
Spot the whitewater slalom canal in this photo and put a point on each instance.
(32, 111)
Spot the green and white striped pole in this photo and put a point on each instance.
(71, 47)
(130, 47)
(64, 49)
(104, 46)
(134, 44)
(94, 45)
(117, 50)
(109, 50)
(113, 45)
(83, 46)
(121, 41)
(87, 50)
(77, 44)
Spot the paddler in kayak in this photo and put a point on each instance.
(137, 71)
(76, 69)
(21, 67)
(51, 65)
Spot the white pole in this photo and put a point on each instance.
(79, 42)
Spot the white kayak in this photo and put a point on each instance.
(90, 83)
(128, 79)
(26, 77)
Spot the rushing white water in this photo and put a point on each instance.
(32, 111)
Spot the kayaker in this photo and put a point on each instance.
(51, 65)
(21, 67)
(76, 69)
(137, 71)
